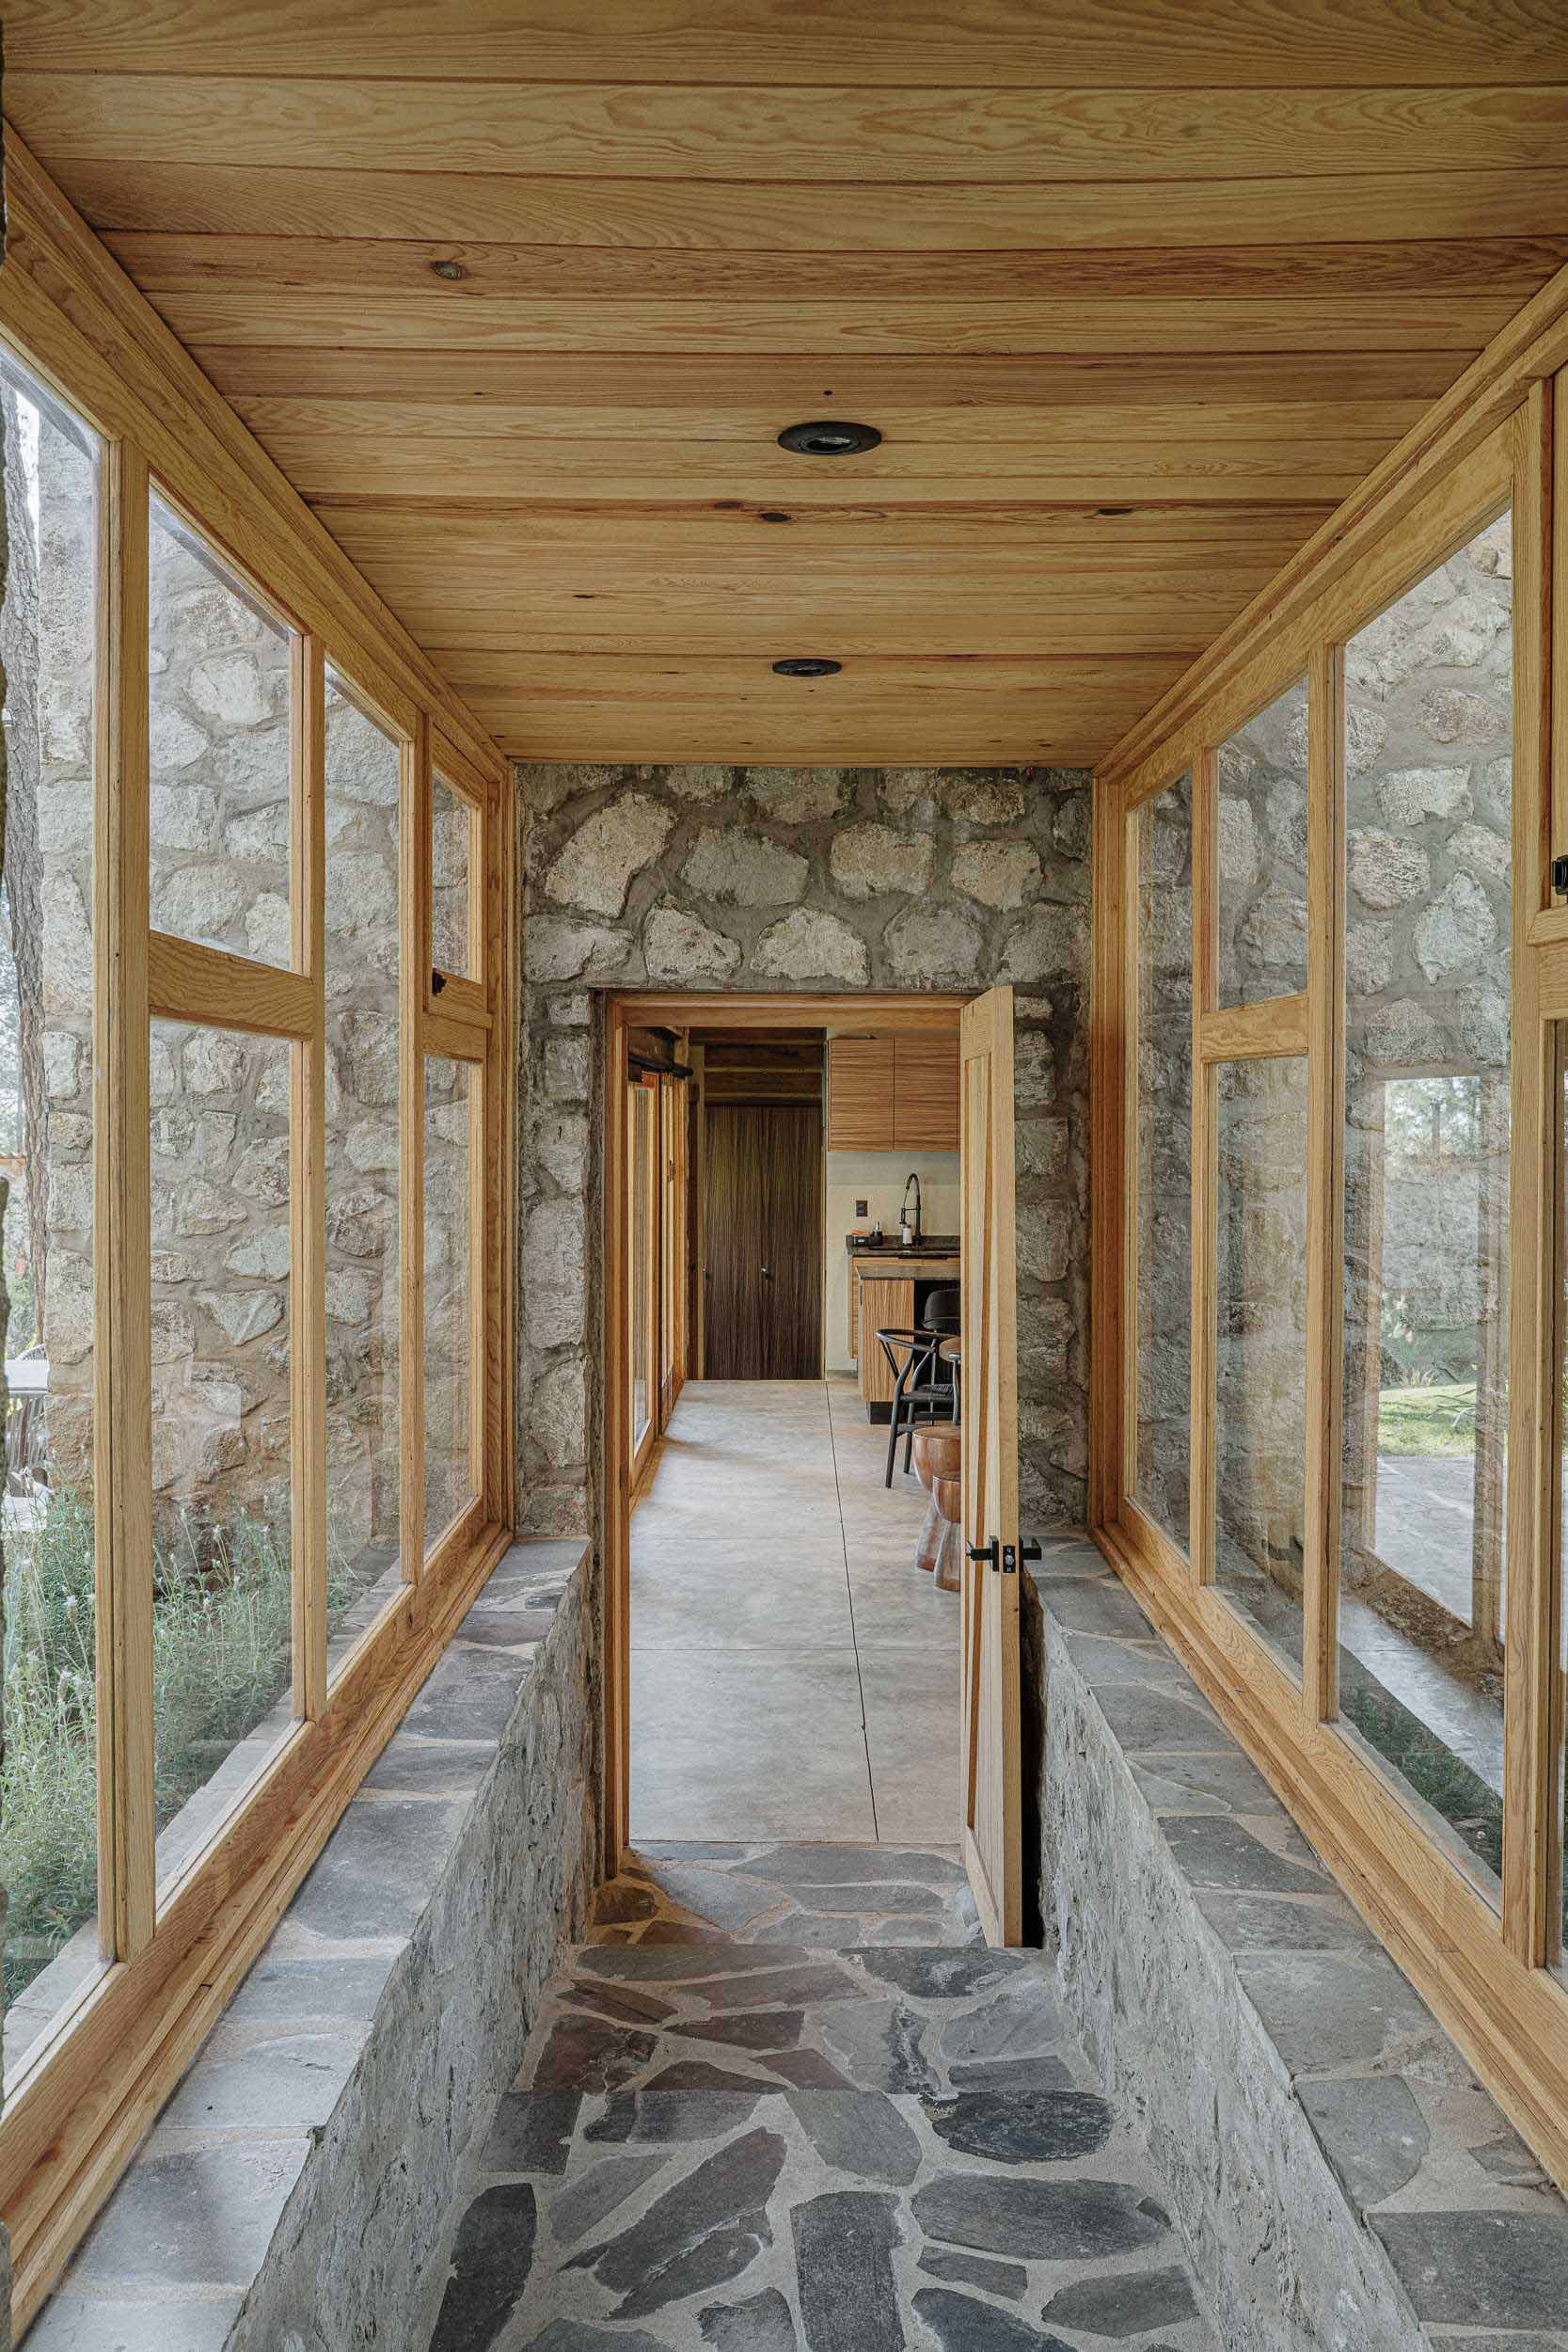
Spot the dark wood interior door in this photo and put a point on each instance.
(763, 1223)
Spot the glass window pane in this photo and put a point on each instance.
(49, 1777)
(1164, 1252)
(1261, 1348)
(222, 1603)
(450, 1481)
(1261, 853)
(1429, 851)
(364, 1448)
(451, 858)
(219, 754)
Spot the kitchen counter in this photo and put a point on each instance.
(928, 1246)
(936, 1260)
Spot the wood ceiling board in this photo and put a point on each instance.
(718, 678)
(867, 132)
(1131, 326)
(1010, 42)
(935, 442)
(568, 476)
(671, 614)
(486, 541)
(167, 263)
(845, 218)
(785, 384)
(596, 736)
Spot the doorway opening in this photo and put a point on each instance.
(811, 1495)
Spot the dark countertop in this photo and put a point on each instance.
(937, 1245)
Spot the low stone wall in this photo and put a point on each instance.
(1342, 2181)
(292, 2191)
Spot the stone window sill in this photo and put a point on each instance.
(1328, 2150)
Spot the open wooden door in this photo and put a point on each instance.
(992, 1791)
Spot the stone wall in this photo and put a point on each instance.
(717, 878)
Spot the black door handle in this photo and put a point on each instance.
(767, 1274)
(1002, 1556)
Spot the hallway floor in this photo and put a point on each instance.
(730, 2134)
(793, 1674)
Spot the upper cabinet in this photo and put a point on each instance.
(926, 1092)
(893, 1093)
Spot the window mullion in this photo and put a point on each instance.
(307, 1188)
(1201, 1538)
(414, 835)
(1534, 1466)
(122, 1416)
(1320, 1662)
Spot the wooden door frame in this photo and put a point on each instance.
(678, 1009)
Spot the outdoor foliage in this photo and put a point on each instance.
(220, 1661)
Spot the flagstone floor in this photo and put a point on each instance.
(785, 2100)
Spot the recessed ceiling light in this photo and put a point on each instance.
(832, 436)
(802, 665)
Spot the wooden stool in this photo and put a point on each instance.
(938, 1454)
(947, 1494)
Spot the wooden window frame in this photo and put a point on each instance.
(1479, 1960)
(92, 2084)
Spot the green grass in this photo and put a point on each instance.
(1439, 1419)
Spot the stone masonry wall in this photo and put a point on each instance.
(780, 879)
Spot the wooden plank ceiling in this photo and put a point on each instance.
(520, 292)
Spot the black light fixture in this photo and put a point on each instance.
(806, 665)
(830, 436)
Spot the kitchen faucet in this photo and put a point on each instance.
(911, 1232)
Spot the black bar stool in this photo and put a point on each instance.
(921, 1383)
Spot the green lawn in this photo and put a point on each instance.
(1428, 1420)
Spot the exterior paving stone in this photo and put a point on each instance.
(1064, 2221)
(974, 2270)
(490, 2263)
(1480, 2269)
(762, 2324)
(1371, 2131)
(1023, 2127)
(844, 2244)
(961, 2324)
(1127, 2304)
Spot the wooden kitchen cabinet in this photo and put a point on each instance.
(893, 1093)
(926, 1092)
(886, 1306)
(859, 1094)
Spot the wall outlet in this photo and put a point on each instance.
(863, 1208)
